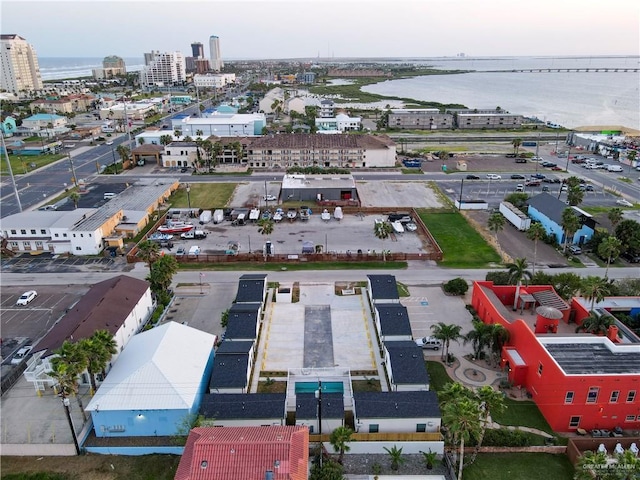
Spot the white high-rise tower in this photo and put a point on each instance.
(216, 58)
(20, 71)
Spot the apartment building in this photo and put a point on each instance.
(19, 70)
(161, 69)
(216, 57)
(111, 67)
(213, 81)
(420, 119)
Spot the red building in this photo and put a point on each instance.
(577, 380)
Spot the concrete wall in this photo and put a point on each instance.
(357, 448)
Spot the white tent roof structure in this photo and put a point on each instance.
(161, 368)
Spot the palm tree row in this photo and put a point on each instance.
(91, 354)
(487, 336)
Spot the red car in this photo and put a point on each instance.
(557, 169)
(533, 183)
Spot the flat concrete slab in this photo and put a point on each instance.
(318, 341)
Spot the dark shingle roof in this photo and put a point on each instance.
(251, 289)
(319, 141)
(383, 287)
(394, 319)
(104, 307)
(549, 206)
(307, 405)
(407, 363)
(243, 320)
(419, 404)
(226, 348)
(231, 406)
(230, 371)
(592, 359)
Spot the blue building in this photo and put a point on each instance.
(8, 126)
(156, 385)
(548, 210)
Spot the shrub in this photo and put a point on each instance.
(500, 277)
(456, 286)
(503, 437)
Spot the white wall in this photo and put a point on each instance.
(397, 425)
(134, 321)
(380, 157)
(86, 242)
(378, 447)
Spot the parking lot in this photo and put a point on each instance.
(47, 263)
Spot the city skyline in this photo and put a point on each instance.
(310, 28)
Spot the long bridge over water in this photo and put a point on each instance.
(567, 70)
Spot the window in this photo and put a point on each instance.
(13, 232)
(630, 418)
(43, 232)
(33, 231)
(74, 235)
(64, 235)
(78, 248)
(592, 396)
(82, 235)
(374, 428)
(23, 232)
(568, 397)
(421, 427)
(631, 396)
(614, 396)
(540, 366)
(574, 422)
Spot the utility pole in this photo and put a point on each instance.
(460, 200)
(189, 197)
(319, 397)
(73, 170)
(13, 180)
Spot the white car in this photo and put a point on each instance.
(27, 297)
(21, 355)
(493, 176)
(109, 142)
(269, 198)
(624, 203)
(429, 342)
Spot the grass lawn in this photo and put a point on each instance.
(463, 247)
(272, 266)
(438, 376)
(522, 413)
(403, 290)
(21, 164)
(203, 195)
(91, 467)
(519, 466)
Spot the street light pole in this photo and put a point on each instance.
(13, 180)
(319, 397)
(189, 197)
(73, 170)
(65, 404)
(115, 164)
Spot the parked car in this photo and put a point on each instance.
(27, 297)
(517, 177)
(21, 355)
(533, 183)
(631, 257)
(520, 188)
(269, 198)
(557, 169)
(472, 177)
(181, 251)
(624, 203)
(539, 176)
(429, 343)
(575, 250)
(493, 176)
(545, 188)
(110, 142)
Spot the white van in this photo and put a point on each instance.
(194, 250)
(614, 168)
(108, 196)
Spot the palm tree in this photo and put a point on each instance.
(165, 140)
(177, 133)
(340, 439)
(149, 251)
(596, 324)
(199, 133)
(217, 149)
(495, 225)
(382, 230)
(75, 198)
(595, 289)
(109, 347)
(141, 141)
(615, 216)
(609, 247)
(498, 336)
(446, 333)
(396, 457)
(535, 233)
(570, 225)
(516, 145)
(479, 337)
(462, 418)
(99, 348)
(518, 272)
(70, 361)
(124, 152)
(265, 226)
(591, 465)
(490, 401)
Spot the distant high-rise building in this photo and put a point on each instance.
(19, 70)
(163, 69)
(197, 50)
(111, 67)
(216, 58)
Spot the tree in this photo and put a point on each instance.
(124, 152)
(495, 225)
(149, 252)
(165, 140)
(99, 349)
(75, 198)
(591, 466)
(462, 418)
(535, 233)
(596, 324)
(518, 272)
(570, 225)
(429, 458)
(328, 470)
(574, 195)
(339, 440)
(67, 365)
(199, 133)
(141, 141)
(265, 226)
(177, 133)
(628, 232)
(498, 336)
(609, 248)
(479, 337)
(447, 333)
(161, 273)
(382, 230)
(517, 142)
(615, 216)
(595, 289)
(395, 454)
(489, 400)
(567, 284)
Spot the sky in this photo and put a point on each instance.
(262, 29)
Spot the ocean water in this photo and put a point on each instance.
(570, 99)
(58, 68)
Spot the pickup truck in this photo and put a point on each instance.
(192, 234)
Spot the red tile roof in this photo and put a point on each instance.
(245, 453)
